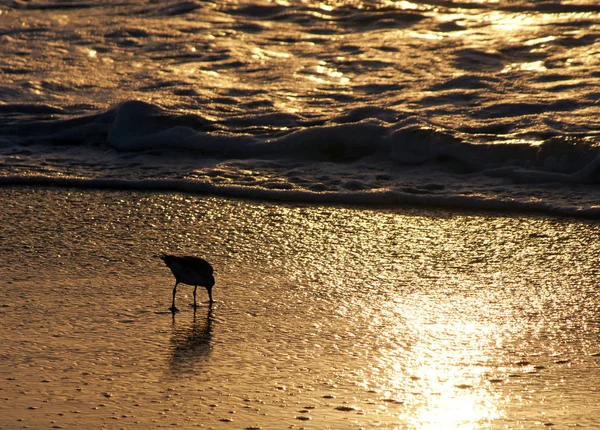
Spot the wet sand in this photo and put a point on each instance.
(325, 317)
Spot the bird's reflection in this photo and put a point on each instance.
(191, 343)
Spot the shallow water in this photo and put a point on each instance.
(324, 317)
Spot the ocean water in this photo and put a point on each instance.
(470, 104)
(372, 308)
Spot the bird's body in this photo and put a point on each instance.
(191, 271)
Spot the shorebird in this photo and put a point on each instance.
(191, 271)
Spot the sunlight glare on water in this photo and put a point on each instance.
(443, 392)
(358, 102)
(442, 339)
(328, 317)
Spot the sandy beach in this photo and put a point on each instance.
(400, 200)
(325, 317)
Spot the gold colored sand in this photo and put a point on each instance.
(325, 317)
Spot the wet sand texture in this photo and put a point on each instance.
(325, 317)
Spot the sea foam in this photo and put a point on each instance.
(367, 162)
(373, 104)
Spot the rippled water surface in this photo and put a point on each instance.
(325, 317)
(477, 104)
(518, 69)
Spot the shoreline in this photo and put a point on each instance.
(405, 202)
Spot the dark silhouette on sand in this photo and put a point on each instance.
(191, 344)
(191, 271)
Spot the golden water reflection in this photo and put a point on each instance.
(462, 323)
(448, 389)
(440, 373)
(337, 317)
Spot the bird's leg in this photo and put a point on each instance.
(195, 287)
(209, 289)
(173, 308)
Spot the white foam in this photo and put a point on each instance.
(282, 193)
(369, 162)
(299, 102)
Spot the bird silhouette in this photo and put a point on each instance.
(190, 271)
